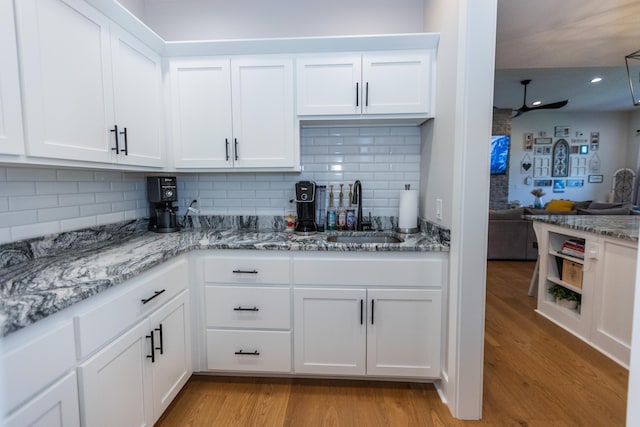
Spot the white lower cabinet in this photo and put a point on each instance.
(132, 380)
(379, 332)
(57, 406)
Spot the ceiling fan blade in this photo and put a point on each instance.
(551, 106)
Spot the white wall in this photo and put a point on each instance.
(456, 169)
(615, 151)
(242, 19)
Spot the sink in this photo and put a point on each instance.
(364, 239)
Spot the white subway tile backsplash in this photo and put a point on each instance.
(11, 219)
(31, 174)
(32, 202)
(55, 187)
(34, 230)
(74, 175)
(110, 218)
(78, 223)
(95, 209)
(36, 201)
(53, 214)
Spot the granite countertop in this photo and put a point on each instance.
(618, 226)
(41, 277)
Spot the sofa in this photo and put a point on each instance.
(511, 236)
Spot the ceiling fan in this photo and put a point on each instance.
(525, 108)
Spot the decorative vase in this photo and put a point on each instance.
(538, 203)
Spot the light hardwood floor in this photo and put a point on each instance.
(536, 374)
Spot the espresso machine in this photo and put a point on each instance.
(162, 191)
(306, 208)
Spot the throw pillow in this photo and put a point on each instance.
(559, 205)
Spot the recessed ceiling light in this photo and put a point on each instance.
(596, 80)
(537, 102)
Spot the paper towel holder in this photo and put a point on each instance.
(412, 230)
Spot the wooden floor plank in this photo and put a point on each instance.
(536, 374)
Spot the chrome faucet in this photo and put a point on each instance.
(357, 199)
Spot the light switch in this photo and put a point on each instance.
(438, 208)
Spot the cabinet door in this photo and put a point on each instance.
(11, 139)
(329, 84)
(395, 83)
(115, 384)
(172, 365)
(403, 337)
(330, 331)
(137, 90)
(57, 406)
(201, 111)
(263, 112)
(612, 298)
(64, 48)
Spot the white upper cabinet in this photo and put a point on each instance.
(72, 56)
(138, 104)
(11, 137)
(66, 63)
(234, 113)
(201, 110)
(397, 82)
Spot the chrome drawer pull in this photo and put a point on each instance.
(245, 271)
(240, 308)
(255, 353)
(155, 294)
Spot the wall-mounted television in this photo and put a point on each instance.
(499, 154)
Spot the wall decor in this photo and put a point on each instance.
(543, 151)
(525, 164)
(584, 149)
(560, 160)
(543, 141)
(561, 131)
(579, 134)
(595, 141)
(578, 166)
(541, 166)
(574, 149)
(542, 183)
(573, 183)
(528, 141)
(528, 179)
(594, 163)
(558, 185)
(542, 133)
(596, 179)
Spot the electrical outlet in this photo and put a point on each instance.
(438, 208)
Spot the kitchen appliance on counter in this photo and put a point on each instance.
(162, 191)
(306, 208)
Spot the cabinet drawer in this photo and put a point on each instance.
(241, 269)
(110, 316)
(273, 351)
(369, 270)
(248, 307)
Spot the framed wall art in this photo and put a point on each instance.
(561, 131)
(574, 183)
(527, 144)
(558, 185)
(560, 162)
(542, 183)
(595, 141)
(540, 141)
(595, 179)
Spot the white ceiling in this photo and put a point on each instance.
(560, 46)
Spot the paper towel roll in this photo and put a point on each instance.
(408, 215)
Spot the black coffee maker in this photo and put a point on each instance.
(162, 191)
(306, 207)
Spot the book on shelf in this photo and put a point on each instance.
(573, 247)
